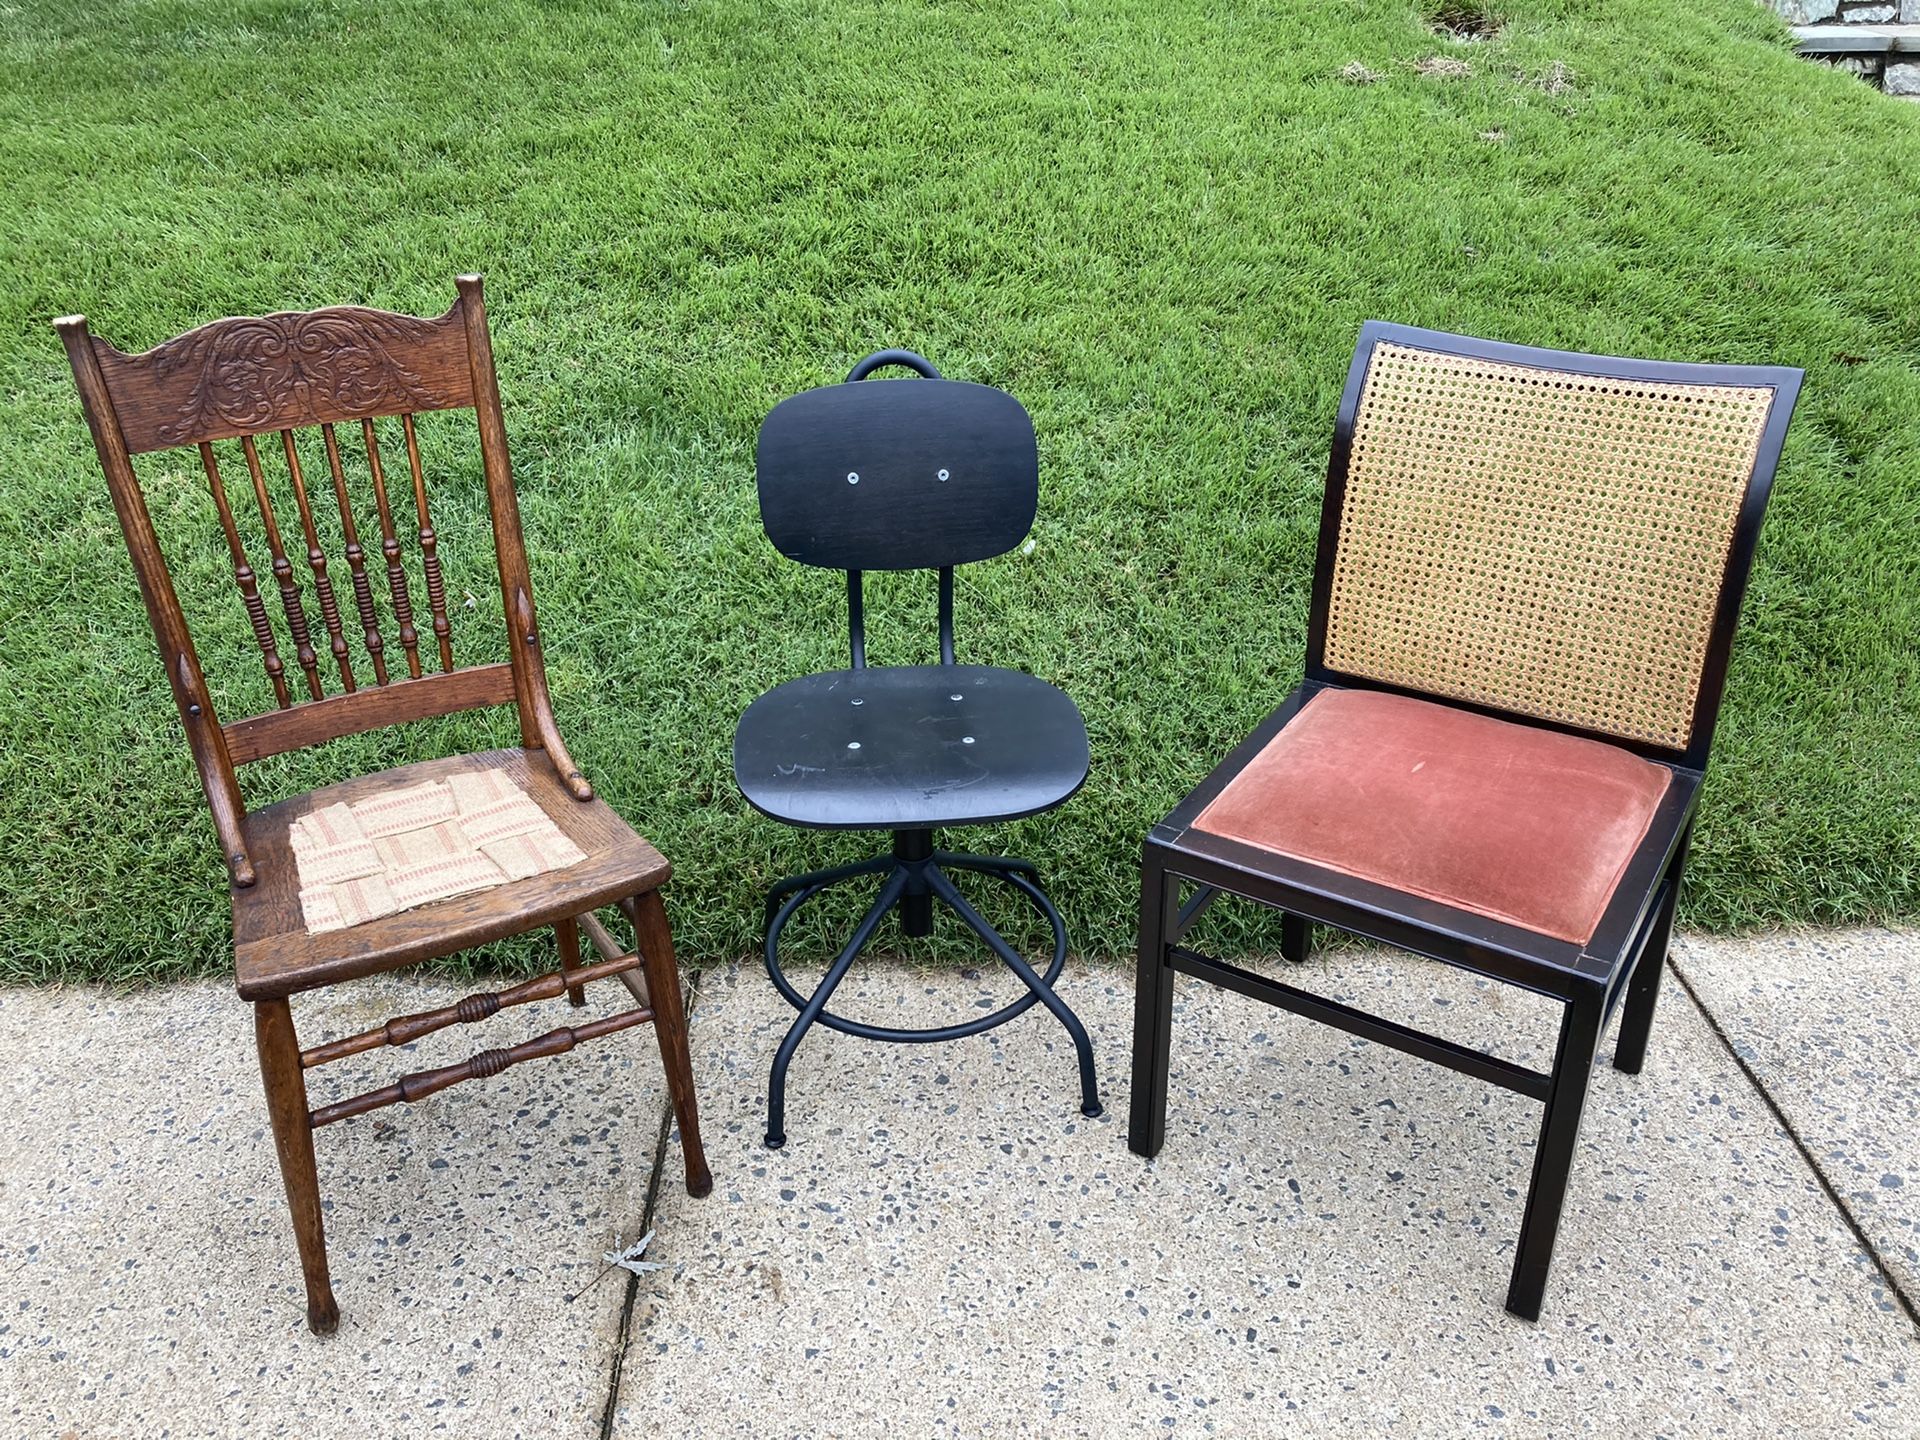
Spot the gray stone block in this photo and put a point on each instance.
(1867, 67)
(1902, 77)
(1809, 12)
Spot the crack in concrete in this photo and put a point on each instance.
(623, 1335)
(1887, 1277)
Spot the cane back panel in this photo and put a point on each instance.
(1539, 541)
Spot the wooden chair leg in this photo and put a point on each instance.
(567, 932)
(286, 1086)
(1553, 1156)
(1152, 1011)
(649, 918)
(1296, 938)
(1643, 990)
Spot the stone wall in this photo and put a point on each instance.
(1848, 12)
(1888, 56)
(1890, 73)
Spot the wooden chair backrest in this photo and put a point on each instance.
(249, 377)
(897, 475)
(1544, 534)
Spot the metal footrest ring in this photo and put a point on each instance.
(1010, 1011)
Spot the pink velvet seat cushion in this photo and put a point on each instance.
(1516, 823)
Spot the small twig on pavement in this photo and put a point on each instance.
(628, 1259)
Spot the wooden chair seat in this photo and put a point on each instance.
(274, 956)
(909, 747)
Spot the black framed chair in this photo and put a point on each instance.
(906, 475)
(1530, 566)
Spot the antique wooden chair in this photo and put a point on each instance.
(533, 846)
(1530, 566)
(906, 475)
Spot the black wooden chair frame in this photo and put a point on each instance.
(1621, 966)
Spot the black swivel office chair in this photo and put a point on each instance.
(908, 475)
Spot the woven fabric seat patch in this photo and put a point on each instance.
(425, 843)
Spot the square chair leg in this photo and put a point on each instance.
(1553, 1156)
(1296, 938)
(1152, 1010)
(1643, 989)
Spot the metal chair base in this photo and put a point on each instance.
(915, 878)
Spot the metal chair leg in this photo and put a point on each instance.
(786, 887)
(1152, 1011)
(1089, 1090)
(986, 864)
(1553, 1157)
(979, 1024)
(890, 892)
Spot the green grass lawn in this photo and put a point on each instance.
(1158, 222)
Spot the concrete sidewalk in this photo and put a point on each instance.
(946, 1247)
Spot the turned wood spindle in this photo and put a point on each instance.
(317, 562)
(244, 577)
(429, 549)
(478, 1067)
(356, 561)
(390, 547)
(468, 1010)
(296, 613)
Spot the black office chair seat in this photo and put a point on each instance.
(909, 747)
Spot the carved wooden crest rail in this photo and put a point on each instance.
(257, 373)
